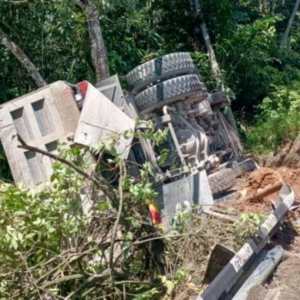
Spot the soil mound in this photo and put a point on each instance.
(288, 275)
(260, 179)
(286, 281)
(287, 155)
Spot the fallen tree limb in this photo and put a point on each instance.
(230, 219)
(115, 228)
(105, 188)
(23, 58)
(268, 190)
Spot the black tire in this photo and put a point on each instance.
(164, 67)
(221, 181)
(218, 100)
(169, 91)
(248, 165)
(234, 166)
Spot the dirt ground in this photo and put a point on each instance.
(283, 166)
(260, 293)
(285, 281)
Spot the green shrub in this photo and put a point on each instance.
(279, 120)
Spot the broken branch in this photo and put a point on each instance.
(115, 228)
(104, 188)
(268, 190)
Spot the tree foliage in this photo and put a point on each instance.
(49, 248)
(246, 36)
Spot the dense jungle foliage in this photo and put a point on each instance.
(262, 77)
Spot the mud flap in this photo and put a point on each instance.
(182, 195)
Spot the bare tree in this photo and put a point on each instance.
(284, 40)
(210, 50)
(261, 6)
(214, 63)
(98, 50)
(22, 57)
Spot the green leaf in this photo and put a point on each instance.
(113, 151)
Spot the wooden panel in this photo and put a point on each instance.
(53, 110)
(101, 120)
(66, 105)
(40, 115)
(47, 161)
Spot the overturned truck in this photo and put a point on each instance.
(204, 154)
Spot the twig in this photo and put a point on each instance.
(53, 156)
(139, 242)
(115, 228)
(99, 159)
(103, 187)
(31, 277)
(79, 3)
(268, 190)
(49, 283)
(87, 281)
(230, 219)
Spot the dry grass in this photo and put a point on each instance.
(188, 255)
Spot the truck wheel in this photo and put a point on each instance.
(169, 91)
(234, 166)
(221, 181)
(164, 67)
(248, 165)
(219, 100)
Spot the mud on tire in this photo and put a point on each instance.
(167, 92)
(164, 67)
(221, 181)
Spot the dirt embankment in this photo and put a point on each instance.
(283, 165)
(285, 283)
(287, 155)
(286, 161)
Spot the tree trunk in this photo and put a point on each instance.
(23, 58)
(261, 6)
(214, 63)
(98, 51)
(284, 40)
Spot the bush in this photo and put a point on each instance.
(279, 120)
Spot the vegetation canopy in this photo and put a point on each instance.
(50, 249)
